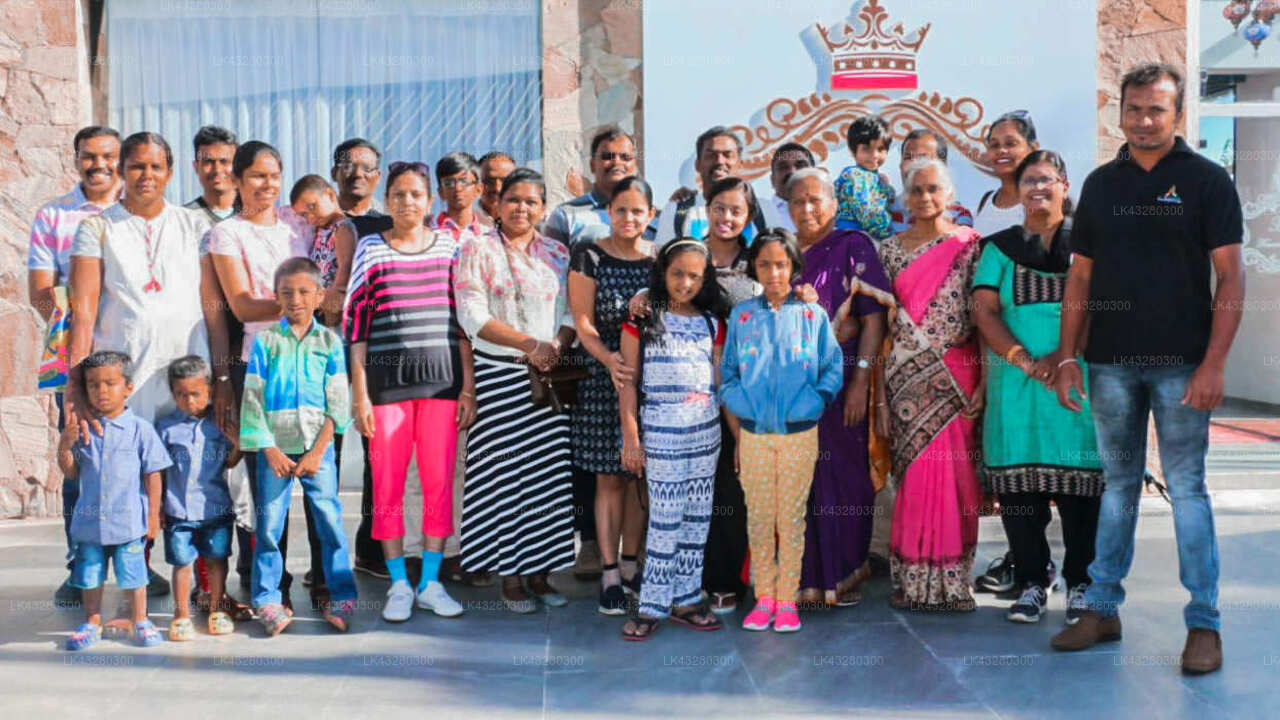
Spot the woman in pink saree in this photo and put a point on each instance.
(933, 387)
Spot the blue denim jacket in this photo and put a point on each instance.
(781, 368)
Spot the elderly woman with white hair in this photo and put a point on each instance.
(934, 388)
(842, 267)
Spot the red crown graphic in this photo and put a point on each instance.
(867, 57)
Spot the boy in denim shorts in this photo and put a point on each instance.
(198, 513)
(119, 505)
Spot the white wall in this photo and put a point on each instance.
(1253, 371)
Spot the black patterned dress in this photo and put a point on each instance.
(597, 434)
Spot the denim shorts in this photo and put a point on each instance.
(185, 540)
(89, 567)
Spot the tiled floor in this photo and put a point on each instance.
(570, 662)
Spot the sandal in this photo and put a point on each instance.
(641, 628)
(220, 623)
(274, 618)
(339, 613)
(848, 598)
(84, 636)
(723, 603)
(182, 630)
(696, 617)
(146, 634)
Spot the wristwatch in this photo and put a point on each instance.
(863, 363)
(224, 378)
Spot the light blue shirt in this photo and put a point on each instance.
(195, 486)
(113, 506)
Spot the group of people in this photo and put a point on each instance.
(756, 373)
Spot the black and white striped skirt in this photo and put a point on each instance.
(517, 501)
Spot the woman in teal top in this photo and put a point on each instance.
(1034, 450)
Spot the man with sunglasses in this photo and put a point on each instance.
(585, 219)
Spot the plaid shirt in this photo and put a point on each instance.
(291, 386)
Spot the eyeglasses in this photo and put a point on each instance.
(1039, 181)
(457, 182)
(608, 156)
(350, 167)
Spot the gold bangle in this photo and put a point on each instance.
(1008, 357)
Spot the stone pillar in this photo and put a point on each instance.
(45, 91)
(591, 78)
(1131, 32)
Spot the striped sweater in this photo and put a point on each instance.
(402, 306)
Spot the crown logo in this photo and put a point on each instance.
(862, 54)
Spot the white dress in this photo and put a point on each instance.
(154, 325)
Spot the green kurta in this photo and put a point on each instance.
(1030, 443)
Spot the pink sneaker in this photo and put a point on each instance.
(787, 619)
(761, 616)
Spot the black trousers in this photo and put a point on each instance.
(584, 503)
(1025, 517)
(367, 549)
(727, 537)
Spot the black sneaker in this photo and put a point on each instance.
(632, 586)
(306, 579)
(613, 601)
(1076, 606)
(999, 575)
(157, 586)
(66, 595)
(1029, 605)
(369, 567)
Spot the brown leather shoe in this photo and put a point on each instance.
(1203, 652)
(1089, 631)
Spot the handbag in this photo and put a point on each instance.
(53, 356)
(556, 388)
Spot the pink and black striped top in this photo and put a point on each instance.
(402, 306)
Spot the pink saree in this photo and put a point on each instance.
(933, 368)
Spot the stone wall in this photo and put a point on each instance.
(1132, 32)
(44, 86)
(591, 77)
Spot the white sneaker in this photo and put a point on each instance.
(434, 598)
(399, 603)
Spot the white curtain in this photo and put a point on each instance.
(417, 78)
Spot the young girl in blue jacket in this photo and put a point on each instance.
(781, 367)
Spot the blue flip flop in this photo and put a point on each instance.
(84, 637)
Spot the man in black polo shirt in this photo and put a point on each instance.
(1151, 227)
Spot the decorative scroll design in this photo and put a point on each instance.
(820, 123)
(1261, 252)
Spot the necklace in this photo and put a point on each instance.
(152, 252)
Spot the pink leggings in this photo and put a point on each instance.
(431, 426)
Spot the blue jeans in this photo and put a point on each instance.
(1122, 398)
(321, 490)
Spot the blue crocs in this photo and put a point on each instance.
(146, 634)
(85, 636)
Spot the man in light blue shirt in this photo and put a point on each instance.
(586, 218)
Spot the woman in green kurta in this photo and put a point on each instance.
(1034, 450)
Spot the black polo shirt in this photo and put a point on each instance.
(1149, 235)
(370, 223)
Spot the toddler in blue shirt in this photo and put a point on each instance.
(119, 505)
(199, 515)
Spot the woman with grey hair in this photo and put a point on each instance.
(934, 392)
(842, 267)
